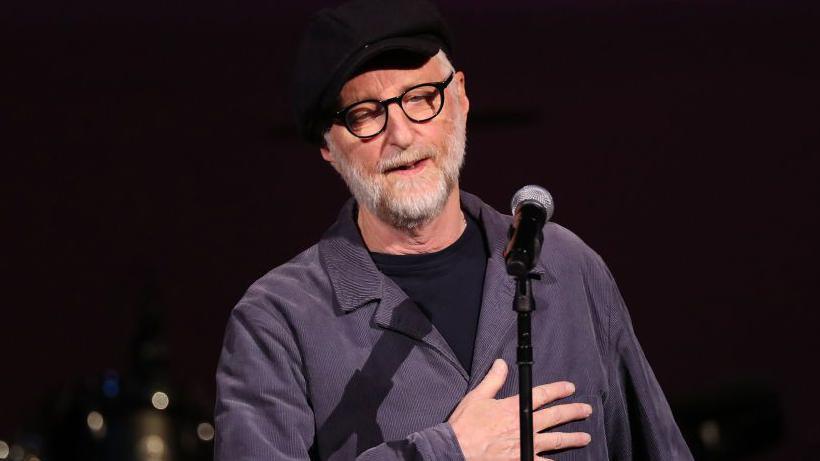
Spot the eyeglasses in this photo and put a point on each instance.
(420, 103)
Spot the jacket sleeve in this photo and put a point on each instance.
(639, 422)
(263, 409)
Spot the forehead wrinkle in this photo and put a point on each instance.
(365, 87)
(386, 88)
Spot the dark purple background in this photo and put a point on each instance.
(146, 141)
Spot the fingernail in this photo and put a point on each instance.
(570, 387)
(589, 409)
(587, 438)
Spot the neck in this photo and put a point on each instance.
(441, 232)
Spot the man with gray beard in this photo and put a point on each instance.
(389, 339)
(406, 201)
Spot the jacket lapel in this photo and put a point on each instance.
(497, 321)
(357, 282)
(399, 313)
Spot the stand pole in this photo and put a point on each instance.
(524, 304)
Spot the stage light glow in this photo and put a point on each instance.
(710, 434)
(153, 446)
(4, 450)
(95, 421)
(111, 385)
(160, 400)
(205, 432)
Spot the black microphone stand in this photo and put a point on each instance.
(532, 208)
(524, 304)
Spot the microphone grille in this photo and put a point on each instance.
(535, 194)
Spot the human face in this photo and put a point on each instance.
(405, 174)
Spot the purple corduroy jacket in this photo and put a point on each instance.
(326, 358)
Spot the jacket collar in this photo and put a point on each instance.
(354, 276)
(355, 279)
(357, 282)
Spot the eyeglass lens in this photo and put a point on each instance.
(369, 117)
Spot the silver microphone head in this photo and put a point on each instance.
(536, 194)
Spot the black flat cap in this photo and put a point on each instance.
(338, 42)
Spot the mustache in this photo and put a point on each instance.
(405, 157)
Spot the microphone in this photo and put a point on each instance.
(532, 207)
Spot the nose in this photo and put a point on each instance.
(399, 130)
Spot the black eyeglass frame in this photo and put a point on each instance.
(341, 116)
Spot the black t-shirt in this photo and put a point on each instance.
(447, 285)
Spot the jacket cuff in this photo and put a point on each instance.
(439, 443)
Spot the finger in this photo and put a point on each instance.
(491, 384)
(559, 414)
(546, 393)
(552, 441)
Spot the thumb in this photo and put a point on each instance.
(491, 384)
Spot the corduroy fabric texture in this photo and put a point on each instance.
(326, 358)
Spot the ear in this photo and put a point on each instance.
(461, 92)
(326, 154)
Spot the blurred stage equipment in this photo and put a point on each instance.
(141, 416)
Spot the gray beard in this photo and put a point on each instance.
(414, 202)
